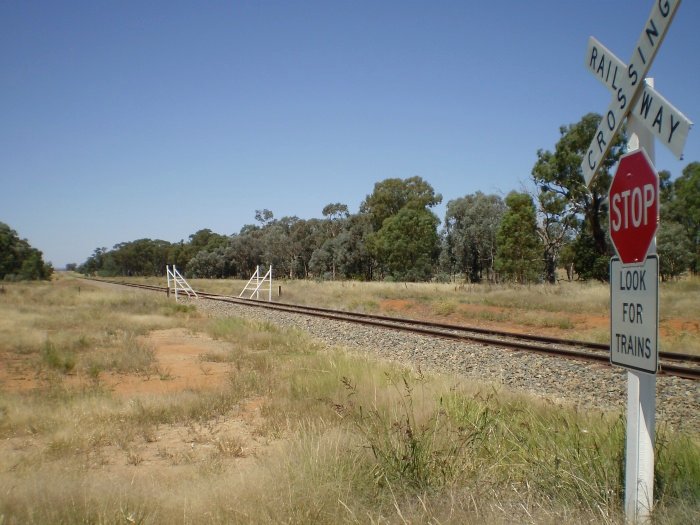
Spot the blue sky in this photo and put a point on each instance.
(125, 120)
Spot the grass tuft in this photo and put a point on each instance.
(57, 359)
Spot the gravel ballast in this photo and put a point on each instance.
(587, 386)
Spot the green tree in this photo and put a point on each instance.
(469, 246)
(246, 250)
(519, 253)
(282, 245)
(351, 253)
(206, 240)
(563, 195)
(588, 263)
(567, 259)
(408, 244)
(264, 216)
(683, 207)
(390, 198)
(307, 235)
(140, 257)
(180, 254)
(391, 195)
(665, 187)
(556, 228)
(19, 260)
(33, 267)
(94, 263)
(336, 215)
(674, 248)
(207, 265)
(9, 256)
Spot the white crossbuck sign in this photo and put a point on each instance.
(657, 114)
(631, 96)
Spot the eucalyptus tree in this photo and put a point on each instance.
(345, 255)
(351, 254)
(140, 257)
(683, 207)
(336, 215)
(469, 243)
(208, 265)
(278, 249)
(180, 254)
(206, 239)
(18, 259)
(246, 250)
(408, 244)
(386, 208)
(519, 253)
(563, 197)
(675, 250)
(308, 235)
(391, 195)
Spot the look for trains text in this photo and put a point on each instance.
(632, 314)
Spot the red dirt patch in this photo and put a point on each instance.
(397, 305)
(178, 367)
(165, 450)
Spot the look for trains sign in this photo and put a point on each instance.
(634, 315)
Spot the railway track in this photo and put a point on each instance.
(681, 365)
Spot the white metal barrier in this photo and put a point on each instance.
(177, 282)
(257, 282)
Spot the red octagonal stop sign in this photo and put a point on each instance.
(634, 206)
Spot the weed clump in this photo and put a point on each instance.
(56, 358)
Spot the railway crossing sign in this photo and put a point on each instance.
(655, 113)
(634, 207)
(629, 88)
(633, 199)
(634, 314)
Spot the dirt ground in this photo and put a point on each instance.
(178, 368)
(236, 437)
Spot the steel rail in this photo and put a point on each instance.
(580, 350)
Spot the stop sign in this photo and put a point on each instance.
(634, 206)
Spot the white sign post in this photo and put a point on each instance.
(634, 312)
(641, 391)
(634, 327)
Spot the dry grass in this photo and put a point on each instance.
(299, 434)
(73, 327)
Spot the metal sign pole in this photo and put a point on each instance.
(635, 100)
(641, 396)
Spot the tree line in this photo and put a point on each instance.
(19, 261)
(525, 237)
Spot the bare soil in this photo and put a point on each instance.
(237, 437)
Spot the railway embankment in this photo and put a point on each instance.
(584, 385)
